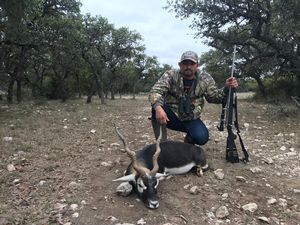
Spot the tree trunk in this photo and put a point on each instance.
(10, 90)
(102, 95)
(89, 99)
(91, 93)
(260, 85)
(134, 90)
(19, 91)
(78, 86)
(112, 94)
(99, 88)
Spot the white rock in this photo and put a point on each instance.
(291, 154)
(16, 181)
(219, 174)
(60, 206)
(240, 192)
(194, 190)
(222, 212)
(269, 185)
(84, 119)
(255, 170)
(246, 125)
(271, 201)
(296, 170)
(141, 222)
(187, 186)
(114, 144)
(240, 178)
(93, 131)
(251, 207)
(112, 219)
(268, 160)
(74, 207)
(225, 196)
(10, 167)
(106, 164)
(282, 202)
(292, 134)
(7, 139)
(145, 136)
(282, 148)
(210, 215)
(65, 127)
(67, 223)
(75, 215)
(74, 184)
(264, 219)
(296, 191)
(42, 182)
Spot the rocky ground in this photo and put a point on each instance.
(58, 162)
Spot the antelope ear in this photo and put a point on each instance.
(160, 175)
(130, 177)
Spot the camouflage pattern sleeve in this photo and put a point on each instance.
(213, 94)
(161, 88)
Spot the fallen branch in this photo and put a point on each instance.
(296, 100)
(183, 218)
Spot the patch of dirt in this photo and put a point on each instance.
(65, 156)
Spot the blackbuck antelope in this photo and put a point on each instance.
(156, 161)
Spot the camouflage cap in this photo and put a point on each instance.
(189, 55)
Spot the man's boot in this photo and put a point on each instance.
(156, 129)
(188, 139)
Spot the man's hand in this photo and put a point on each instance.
(231, 82)
(161, 115)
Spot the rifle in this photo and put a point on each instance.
(229, 105)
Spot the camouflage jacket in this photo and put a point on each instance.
(169, 88)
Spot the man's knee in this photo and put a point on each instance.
(200, 138)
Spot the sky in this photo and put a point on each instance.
(164, 35)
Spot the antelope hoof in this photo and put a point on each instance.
(199, 171)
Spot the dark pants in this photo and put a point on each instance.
(196, 129)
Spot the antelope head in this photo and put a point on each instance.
(144, 180)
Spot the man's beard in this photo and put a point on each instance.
(188, 73)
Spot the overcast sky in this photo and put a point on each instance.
(164, 35)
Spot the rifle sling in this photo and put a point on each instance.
(236, 124)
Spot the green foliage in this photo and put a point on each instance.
(266, 33)
(48, 47)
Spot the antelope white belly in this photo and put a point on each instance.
(180, 170)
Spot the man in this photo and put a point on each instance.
(177, 99)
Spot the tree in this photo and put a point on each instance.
(262, 30)
(96, 32)
(24, 30)
(143, 66)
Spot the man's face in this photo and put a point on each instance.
(188, 68)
